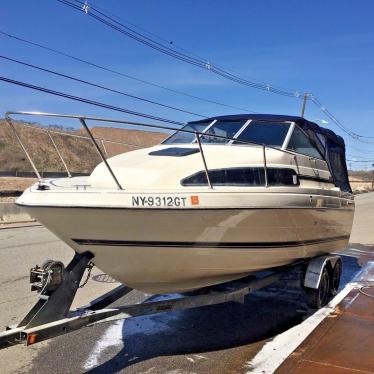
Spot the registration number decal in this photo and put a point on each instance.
(159, 201)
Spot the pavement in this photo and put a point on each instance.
(232, 337)
(344, 341)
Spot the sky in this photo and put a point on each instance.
(324, 47)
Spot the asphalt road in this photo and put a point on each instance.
(216, 339)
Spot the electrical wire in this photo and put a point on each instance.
(99, 86)
(59, 52)
(363, 161)
(363, 151)
(88, 101)
(197, 61)
(349, 132)
(353, 157)
(141, 38)
(201, 63)
(175, 45)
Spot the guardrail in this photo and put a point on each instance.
(83, 121)
(43, 174)
(10, 193)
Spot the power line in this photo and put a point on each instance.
(172, 42)
(88, 101)
(355, 157)
(199, 59)
(147, 31)
(98, 86)
(210, 68)
(141, 38)
(360, 161)
(202, 63)
(351, 133)
(363, 151)
(121, 74)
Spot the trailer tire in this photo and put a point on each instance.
(318, 297)
(335, 277)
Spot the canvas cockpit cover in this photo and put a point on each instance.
(330, 145)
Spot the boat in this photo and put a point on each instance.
(217, 200)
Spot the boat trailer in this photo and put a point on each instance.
(57, 286)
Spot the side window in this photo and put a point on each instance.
(243, 177)
(300, 143)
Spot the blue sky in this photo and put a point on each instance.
(326, 47)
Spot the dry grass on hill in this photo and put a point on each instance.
(358, 184)
(15, 184)
(79, 154)
(361, 180)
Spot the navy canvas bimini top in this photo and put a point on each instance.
(302, 122)
(333, 148)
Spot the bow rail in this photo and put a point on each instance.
(103, 154)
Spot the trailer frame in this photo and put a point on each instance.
(51, 315)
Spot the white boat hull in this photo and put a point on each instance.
(167, 250)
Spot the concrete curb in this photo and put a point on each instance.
(11, 213)
(19, 225)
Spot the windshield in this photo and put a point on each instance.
(262, 132)
(185, 137)
(227, 129)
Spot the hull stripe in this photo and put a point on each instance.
(135, 243)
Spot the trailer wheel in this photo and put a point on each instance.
(317, 298)
(335, 277)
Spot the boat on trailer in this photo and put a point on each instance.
(217, 200)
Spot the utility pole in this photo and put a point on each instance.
(305, 98)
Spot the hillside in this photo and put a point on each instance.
(79, 154)
(360, 175)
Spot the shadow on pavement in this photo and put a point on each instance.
(264, 314)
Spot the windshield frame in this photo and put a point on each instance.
(165, 141)
(230, 139)
(235, 139)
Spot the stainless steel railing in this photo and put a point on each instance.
(83, 121)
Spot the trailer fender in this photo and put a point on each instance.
(315, 267)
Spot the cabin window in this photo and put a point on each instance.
(262, 132)
(227, 129)
(300, 143)
(243, 177)
(185, 137)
